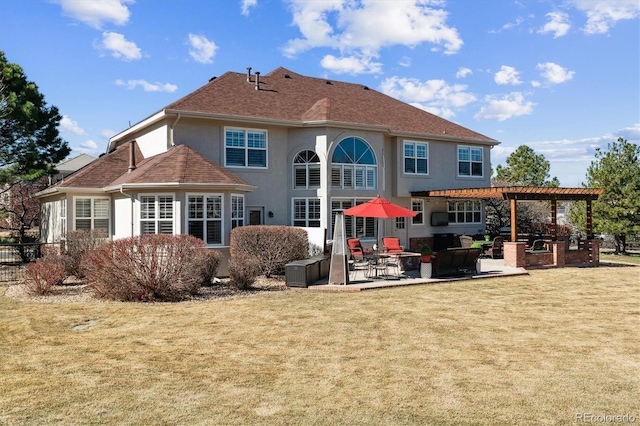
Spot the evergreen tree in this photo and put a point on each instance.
(617, 211)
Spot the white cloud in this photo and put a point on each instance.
(351, 65)
(248, 4)
(558, 24)
(435, 96)
(463, 72)
(554, 73)
(509, 106)
(519, 20)
(146, 86)
(507, 75)
(87, 147)
(363, 28)
(603, 14)
(405, 62)
(119, 47)
(202, 50)
(97, 12)
(107, 133)
(535, 83)
(68, 125)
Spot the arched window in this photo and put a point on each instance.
(353, 165)
(306, 170)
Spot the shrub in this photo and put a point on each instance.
(149, 268)
(243, 272)
(77, 244)
(43, 274)
(272, 246)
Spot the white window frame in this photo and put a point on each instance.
(415, 157)
(237, 215)
(307, 167)
(245, 146)
(205, 212)
(470, 161)
(309, 213)
(460, 216)
(417, 205)
(92, 218)
(157, 220)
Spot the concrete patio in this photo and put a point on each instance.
(489, 268)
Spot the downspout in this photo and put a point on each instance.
(173, 125)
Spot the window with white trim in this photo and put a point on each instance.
(470, 161)
(245, 148)
(353, 226)
(400, 223)
(306, 212)
(416, 158)
(204, 217)
(63, 217)
(156, 214)
(417, 205)
(353, 165)
(237, 210)
(469, 211)
(306, 170)
(91, 213)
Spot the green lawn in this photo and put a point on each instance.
(629, 258)
(537, 349)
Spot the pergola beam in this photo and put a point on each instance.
(525, 193)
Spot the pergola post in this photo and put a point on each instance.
(514, 221)
(554, 220)
(589, 222)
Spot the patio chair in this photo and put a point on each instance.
(392, 245)
(356, 249)
(466, 241)
(536, 246)
(495, 251)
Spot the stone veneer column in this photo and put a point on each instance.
(558, 248)
(514, 254)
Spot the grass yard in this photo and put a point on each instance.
(536, 349)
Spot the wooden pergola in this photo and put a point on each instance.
(525, 193)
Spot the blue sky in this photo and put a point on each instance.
(561, 76)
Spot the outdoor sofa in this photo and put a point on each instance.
(455, 261)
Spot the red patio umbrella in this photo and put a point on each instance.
(380, 208)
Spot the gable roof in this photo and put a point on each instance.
(296, 100)
(180, 165)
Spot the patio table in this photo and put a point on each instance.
(484, 245)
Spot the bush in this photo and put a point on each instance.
(272, 246)
(43, 274)
(149, 268)
(77, 244)
(243, 273)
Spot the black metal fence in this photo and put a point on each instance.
(15, 257)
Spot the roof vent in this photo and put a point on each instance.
(365, 87)
(257, 80)
(328, 82)
(248, 74)
(213, 78)
(287, 76)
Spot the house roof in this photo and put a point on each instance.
(102, 171)
(181, 165)
(516, 193)
(74, 163)
(295, 99)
